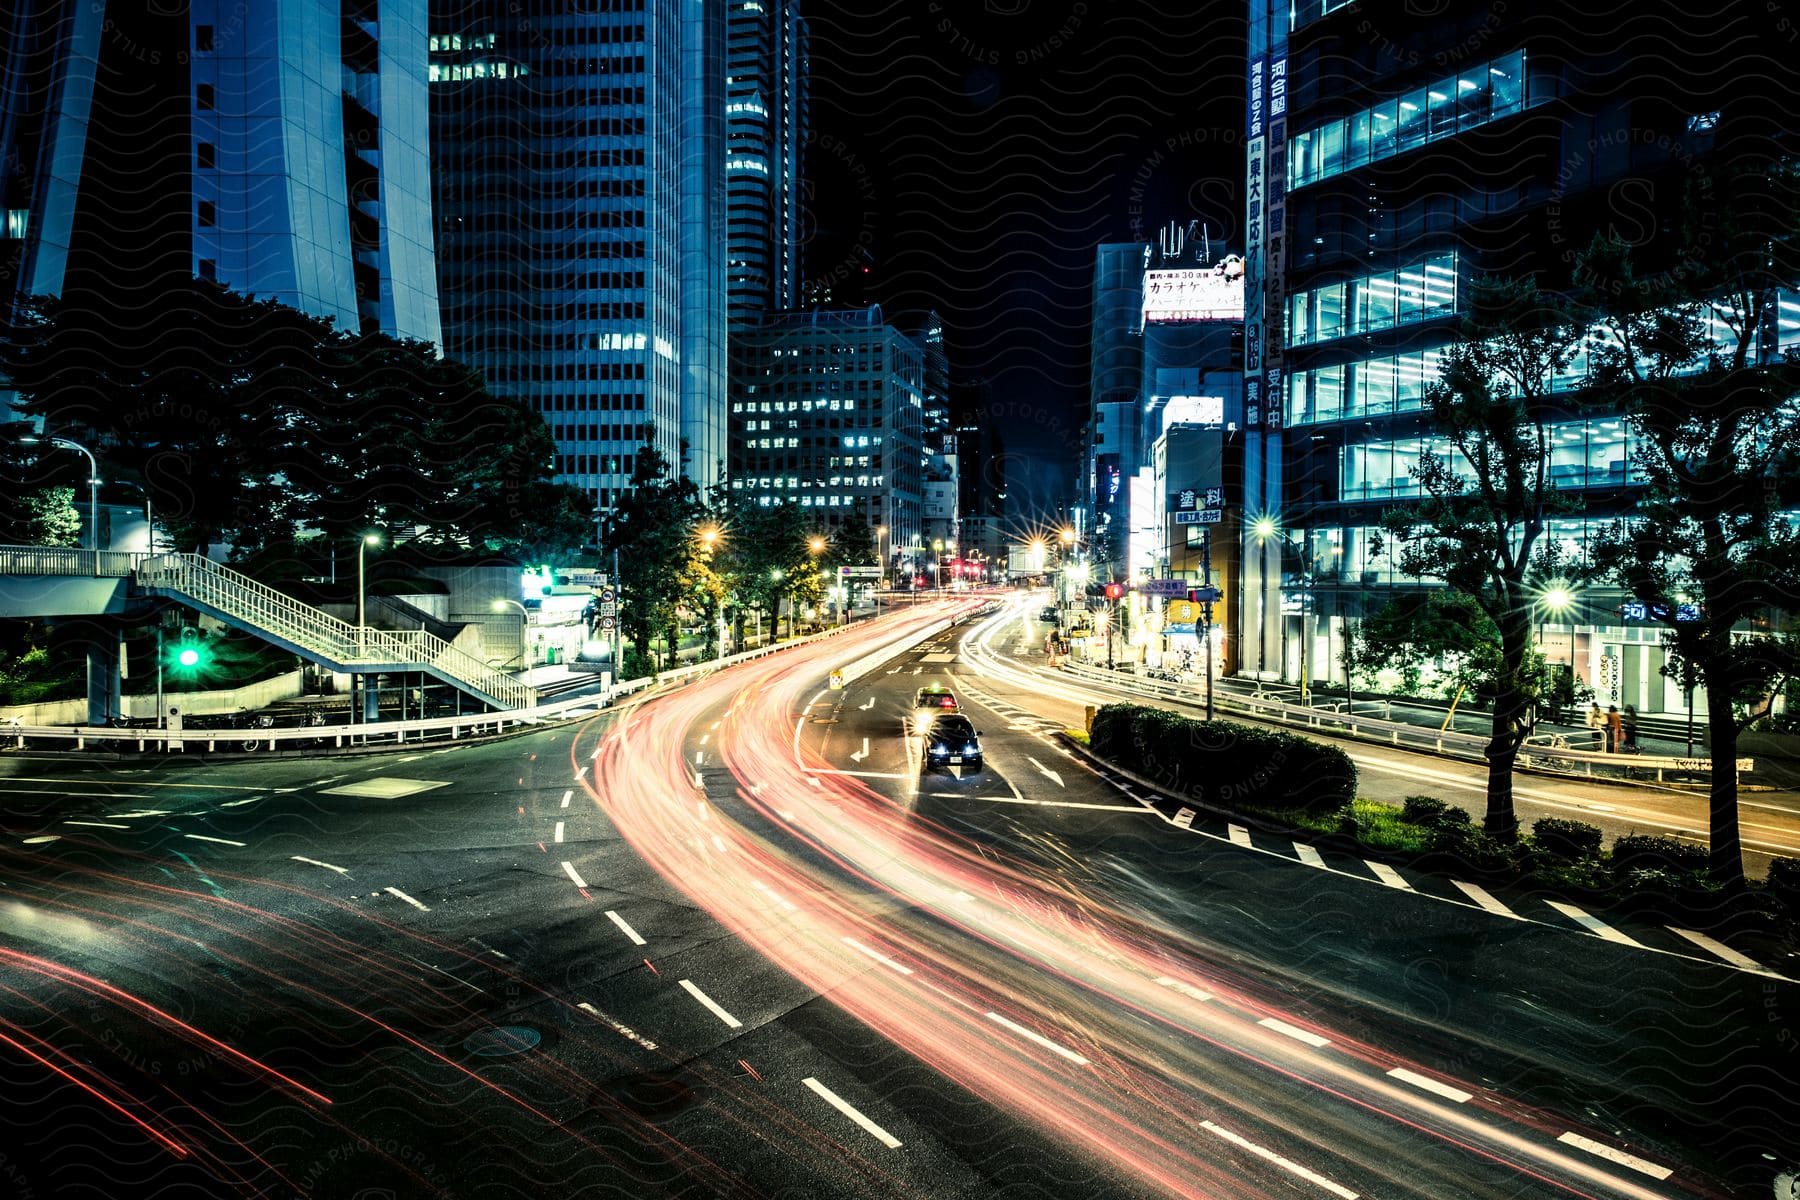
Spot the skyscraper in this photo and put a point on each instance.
(278, 148)
(576, 227)
(766, 130)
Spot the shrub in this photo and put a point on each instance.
(1571, 840)
(1432, 813)
(1643, 852)
(1383, 827)
(1225, 763)
(1471, 848)
(1784, 882)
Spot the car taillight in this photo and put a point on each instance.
(947, 702)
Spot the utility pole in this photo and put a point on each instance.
(1206, 611)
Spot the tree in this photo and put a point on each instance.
(652, 531)
(769, 558)
(251, 422)
(853, 544)
(49, 517)
(1710, 549)
(1449, 630)
(1486, 502)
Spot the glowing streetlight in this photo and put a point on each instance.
(1068, 536)
(815, 544)
(368, 539)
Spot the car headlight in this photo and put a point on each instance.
(971, 748)
(940, 748)
(922, 722)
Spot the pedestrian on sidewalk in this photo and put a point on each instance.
(1615, 729)
(1629, 723)
(1596, 723)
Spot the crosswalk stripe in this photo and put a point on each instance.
(1308, 855)
(1720, 949)
(1593, 924)
(1388, 875)
(1239, 835)
(1488, 904)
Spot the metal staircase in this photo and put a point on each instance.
(259, 609)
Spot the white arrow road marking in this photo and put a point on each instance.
(859, 755)
(842, 1105)
(1046, 772)
(868, 706)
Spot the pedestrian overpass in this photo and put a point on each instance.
(46, 581)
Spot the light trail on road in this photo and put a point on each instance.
(1052, 1006)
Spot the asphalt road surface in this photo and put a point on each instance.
(732, 941)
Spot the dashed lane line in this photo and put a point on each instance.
(1427, 1083)
(559, 832)
(1286, 1164)
(97, 824)
(398, 894)
(711, 1005)
(1040, 1039)
(313, 862)
(1294, 1031)
(878, 956)
(844, 1106)
(625, 928)
(567, 796)
(574, 875)
(1593, 924)
(201, 837)
(1601, 1150)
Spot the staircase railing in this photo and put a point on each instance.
(262, 607)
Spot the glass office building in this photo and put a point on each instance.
(577, 184)
(766, 129)
(1384, 174)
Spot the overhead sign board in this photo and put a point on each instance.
(859, 572)
(1204, 516)
(1166, 588)
(1195, 294)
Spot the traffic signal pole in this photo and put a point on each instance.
(1206, 613)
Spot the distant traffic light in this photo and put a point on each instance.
(1114, 591)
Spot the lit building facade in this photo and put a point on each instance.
(766, 131)
(1385, 175)
(578, 184)
(828, 417)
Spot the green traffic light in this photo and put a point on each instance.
(189, 658)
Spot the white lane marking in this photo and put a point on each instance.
(1593, 924)
(163, 812)
(705, 738)
(1308, 855)
(39, 841)
(1714, 946)
(1046, 772)
(1617, 1156)
(251, 799)
(878, 956)
(712, 1006)
(1184, 819)
(1294, 1031)
(1488, 904)
(1431, 1085)
(918, 670)
(1313, 1177)
(719, 844)
(1118, 808)
(842, 1105)
(569, 870)
(625, 928)
(559, 831)
(97, 824)
(1388, 875)
(199, 787)
(313, 862)
(624, 1031)
(1186, 989)
(811, 771)
(396, 892)
(859, 755)
(699, 758)
(201, 837)
(1040, 1039)
(1239, 835)
(581, 772)
(567, 796)
(871, 703)
(598, 751)
(409, 758)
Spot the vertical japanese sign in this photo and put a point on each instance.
(1275, 254)
(1255, 233)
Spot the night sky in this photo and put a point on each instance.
(980, 149)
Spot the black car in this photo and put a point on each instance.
(951, 741)
(1049, 614)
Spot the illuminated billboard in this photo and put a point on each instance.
(1212, 294)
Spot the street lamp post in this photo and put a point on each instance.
(1264, 528)
(63, 443)
(368, 539)
(524, 636)
(1559, 600)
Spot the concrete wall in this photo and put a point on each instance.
(74, 712)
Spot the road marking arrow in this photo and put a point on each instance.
(863, 753)
(1046, 772)
(868, 706)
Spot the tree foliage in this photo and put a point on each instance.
(251, 423)
(1485, 505)
(653, 531)
(1710, 548)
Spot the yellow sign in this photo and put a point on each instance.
(1181, 612)
(837, 680)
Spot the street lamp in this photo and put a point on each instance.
(1265, 529)
(368, 539)
(776, 574)
(63, 443)
(1559, 599)
(499, 606)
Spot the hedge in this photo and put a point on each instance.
(1784, 882)
(1641, 852)
(1571, 840)
(1224, 763)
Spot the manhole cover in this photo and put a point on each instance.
(502, 1040)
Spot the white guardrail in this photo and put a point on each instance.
(374, 733)
(1549, 758)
